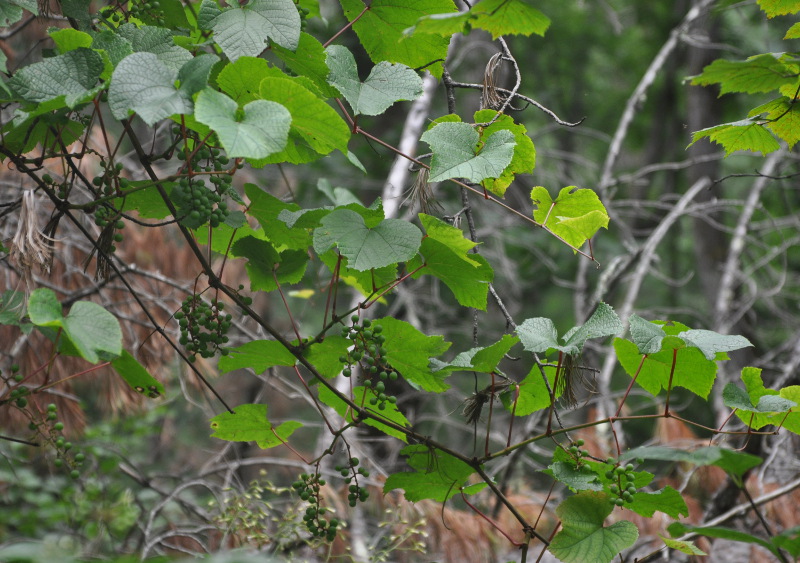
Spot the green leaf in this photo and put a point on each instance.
(268, 268)
(482, 359)
(114, 46)
(381, 31)
(245, 31)
(12, 308)
(737, 398)
(72, 75)
(679, 529)
(93, 331)
(779, 7)
(365, 282)
(9, 14)
(241, 79)
(667, 500)
(686, 547)
(389, 242)
(533, 395)
(70, 39)
(539, 335)
(438, 476)
(315, 124)
(603, 322)
(793, 32)
(137, 376)
(445, 255)
(194, 75)
(646, 335)
(498, 17)
(458, 152)
(309, 60)
(761, 73)
(44, 309)
(158, 41)
(745, 135)
(409, 352)
(583, 537)
(361, 397)
(266, 209)
(143, 84)
(576, 478)
(249, 424)
(524, 159)
(711, 343)
(783, 118)
(758, 393)
(324, 356)
(692, 370)
(575, 215)
(262, 130)
(259, 355)
(386, 84)
(734, 462)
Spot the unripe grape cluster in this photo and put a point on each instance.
(368, 351)
(303, 16)
(355, 491)
(622, 477)
(110, 223)
(308, 488)
(203, 326)
(197, 204)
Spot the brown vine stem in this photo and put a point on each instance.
(671, 375)
(346, 27)
(494, 524)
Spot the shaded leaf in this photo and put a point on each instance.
(262, 130)
(457, 152)
(438, 476)
(583, 536)
(72, 75)
(389, 242)
(137, 376)
(498, 17)
(745, 135)
(760, 73)
(258, 355)
(409, 352)
(386, 84)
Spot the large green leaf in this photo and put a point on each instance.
(241, 79)
(498, 17)
(257, 355)
(761, 73)
(315, 124)
(575, 215)
(577, 478)
(262, 129)
(266, 267)
(143, 84)
(309, 60)
(248, 423)
(646, 335)
(72, 75)
(386, 84)
(445, 255)
(667, 500)
(438, 476)
(409, 352)
(583, 537)
(158, 41)
(745, 135)
(459, 152)
(266, 209)
(93, 332)
(70, 39)
(381, 31)
(389, 242)
(482, 359)
(245, 31)
(737, 398)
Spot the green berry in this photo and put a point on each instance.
(74, 474)
(58, 426)
(22, 402)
